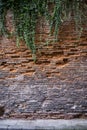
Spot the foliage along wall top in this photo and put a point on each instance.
(26, 13)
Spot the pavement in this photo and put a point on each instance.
(61, 124)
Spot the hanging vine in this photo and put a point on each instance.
(26, 13)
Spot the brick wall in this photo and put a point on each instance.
(50, 55)
(60, 64)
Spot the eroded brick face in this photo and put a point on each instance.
(56, 83)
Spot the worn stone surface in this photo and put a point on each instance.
(53, 87)
(76, 124)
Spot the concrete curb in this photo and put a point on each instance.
(75, 124)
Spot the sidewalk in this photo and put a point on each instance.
(75, 124)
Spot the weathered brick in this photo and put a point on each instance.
(55, 86)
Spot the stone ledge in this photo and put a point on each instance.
(75, 124)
